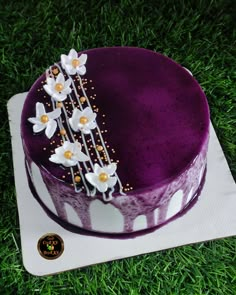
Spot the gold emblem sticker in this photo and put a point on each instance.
(50, 246)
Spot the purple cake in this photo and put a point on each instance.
(115, 140)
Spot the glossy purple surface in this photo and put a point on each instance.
(157, 116)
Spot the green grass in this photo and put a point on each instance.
(199, 35)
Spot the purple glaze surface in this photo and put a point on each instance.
(145, 97)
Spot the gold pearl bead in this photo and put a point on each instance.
(63, 132)
(44, 119)
(59, 104)
(68, 155)
(82, 99)
(83, 120)
(59, 87)
(77, 179)
(99, 148)
(75, 63)
(103, 177)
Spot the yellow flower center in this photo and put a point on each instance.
(44, 119)
(68, 155)
(83, 120)
(103, 177)
(59, 87)
(75, 63)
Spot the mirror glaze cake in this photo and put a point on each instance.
(115, 140)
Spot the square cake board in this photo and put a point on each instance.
(212, 217)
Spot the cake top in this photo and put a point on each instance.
(137, 120)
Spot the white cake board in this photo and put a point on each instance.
(212, 217)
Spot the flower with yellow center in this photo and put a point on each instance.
(45, 120)
(69, 154)
(83, 120)
(58, 89)
(102, 177)
(73, 64)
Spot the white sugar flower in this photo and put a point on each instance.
(59, 88)
(74, 64)
(102, 177)
(69, 154)
(83, 120)
(45, 120)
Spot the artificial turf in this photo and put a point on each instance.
(197, 34)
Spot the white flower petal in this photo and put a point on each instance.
(102, 186)
(68, 146)
(97, 169)
(67, 83)
(81, 70)
(92, 116)
(85, 130)
(60, 79)
(55, 159)
(54, 114)
(74, 120)
(73, 54)
(69, 163)
(82, 59)
(59, 97)
(64, 60)
(66, 91)
(51, 128)
(110, 169)
(111, 181)
(73, 125)
(39, 127)
(81, 157)
(34, 120)
(70, 69)
(87, 112)
(50, 82)
(48, 90)
(91, 125)
(60, 151)
(40, 110)
(91, 178)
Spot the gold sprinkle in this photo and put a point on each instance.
(82, 99)
(63, 132)
(77, 179)
(99, 148)
(59, 104)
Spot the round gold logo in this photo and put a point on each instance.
(50, 246)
